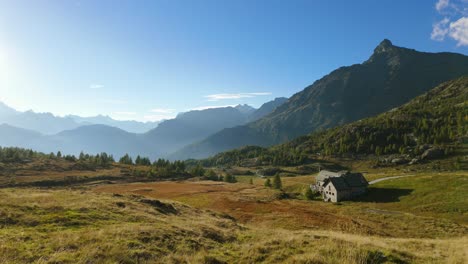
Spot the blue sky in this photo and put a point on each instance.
(148, 60)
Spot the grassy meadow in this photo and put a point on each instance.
(110, 218)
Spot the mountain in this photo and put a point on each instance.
(90, 139)
(49, 124)
(267, 108)
(11, 136)
(6, 111)
(127, 125)
(389, 78)
(190, 127)
(431, 124)
(96, 139)
(245, 109)
(170, 135)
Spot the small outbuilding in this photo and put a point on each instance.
(339, 186)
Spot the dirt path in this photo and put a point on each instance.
(389, 178)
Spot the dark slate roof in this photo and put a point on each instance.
(355, 180)
(347, 181)
(339, 183)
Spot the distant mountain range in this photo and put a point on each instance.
(193, 126)
(47, 123)
(389, 78)
(127, 125)
(167, 137)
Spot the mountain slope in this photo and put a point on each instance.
(390, 77)
(11, 136)
(192, 126)
(267, 108)
(90, 139)
(438, 118)
(96, 139)
(127, 125)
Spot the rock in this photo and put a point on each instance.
(414, 161)
(399, 161)
(424, 147)
(432, 153)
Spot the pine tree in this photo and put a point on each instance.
(126, 160)
(82, 156)
(268, 183)
(277, 182)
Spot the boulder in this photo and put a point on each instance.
(399, 161)
(432, 153)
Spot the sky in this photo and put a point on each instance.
(148, 60)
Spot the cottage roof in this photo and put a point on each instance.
(355, 180)
(324, 174)
(339, 183)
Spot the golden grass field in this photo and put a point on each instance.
(421, 218)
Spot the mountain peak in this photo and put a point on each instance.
(245, 108)
(387, 52)
(384, 46)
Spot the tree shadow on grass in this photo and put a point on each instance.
(383, 195)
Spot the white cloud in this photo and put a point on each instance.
(459, 31)
(441, 4)
(440, 30)
(455, 23)
(210, 107)
(96, 86)
(230, 96)
(162, 110)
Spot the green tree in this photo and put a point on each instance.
(197, 170)
(230, 178)
(126, 159)
(308, 194)
(277, 184)
(268, 183)
(138, 160)
(211, 175)
(59, 154)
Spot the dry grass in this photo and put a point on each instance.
(213, 222)
(67, 226)
(388, 210)
(75, 226)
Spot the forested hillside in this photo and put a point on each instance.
(389, 78)
(434, 124)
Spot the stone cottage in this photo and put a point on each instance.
(339, 186)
